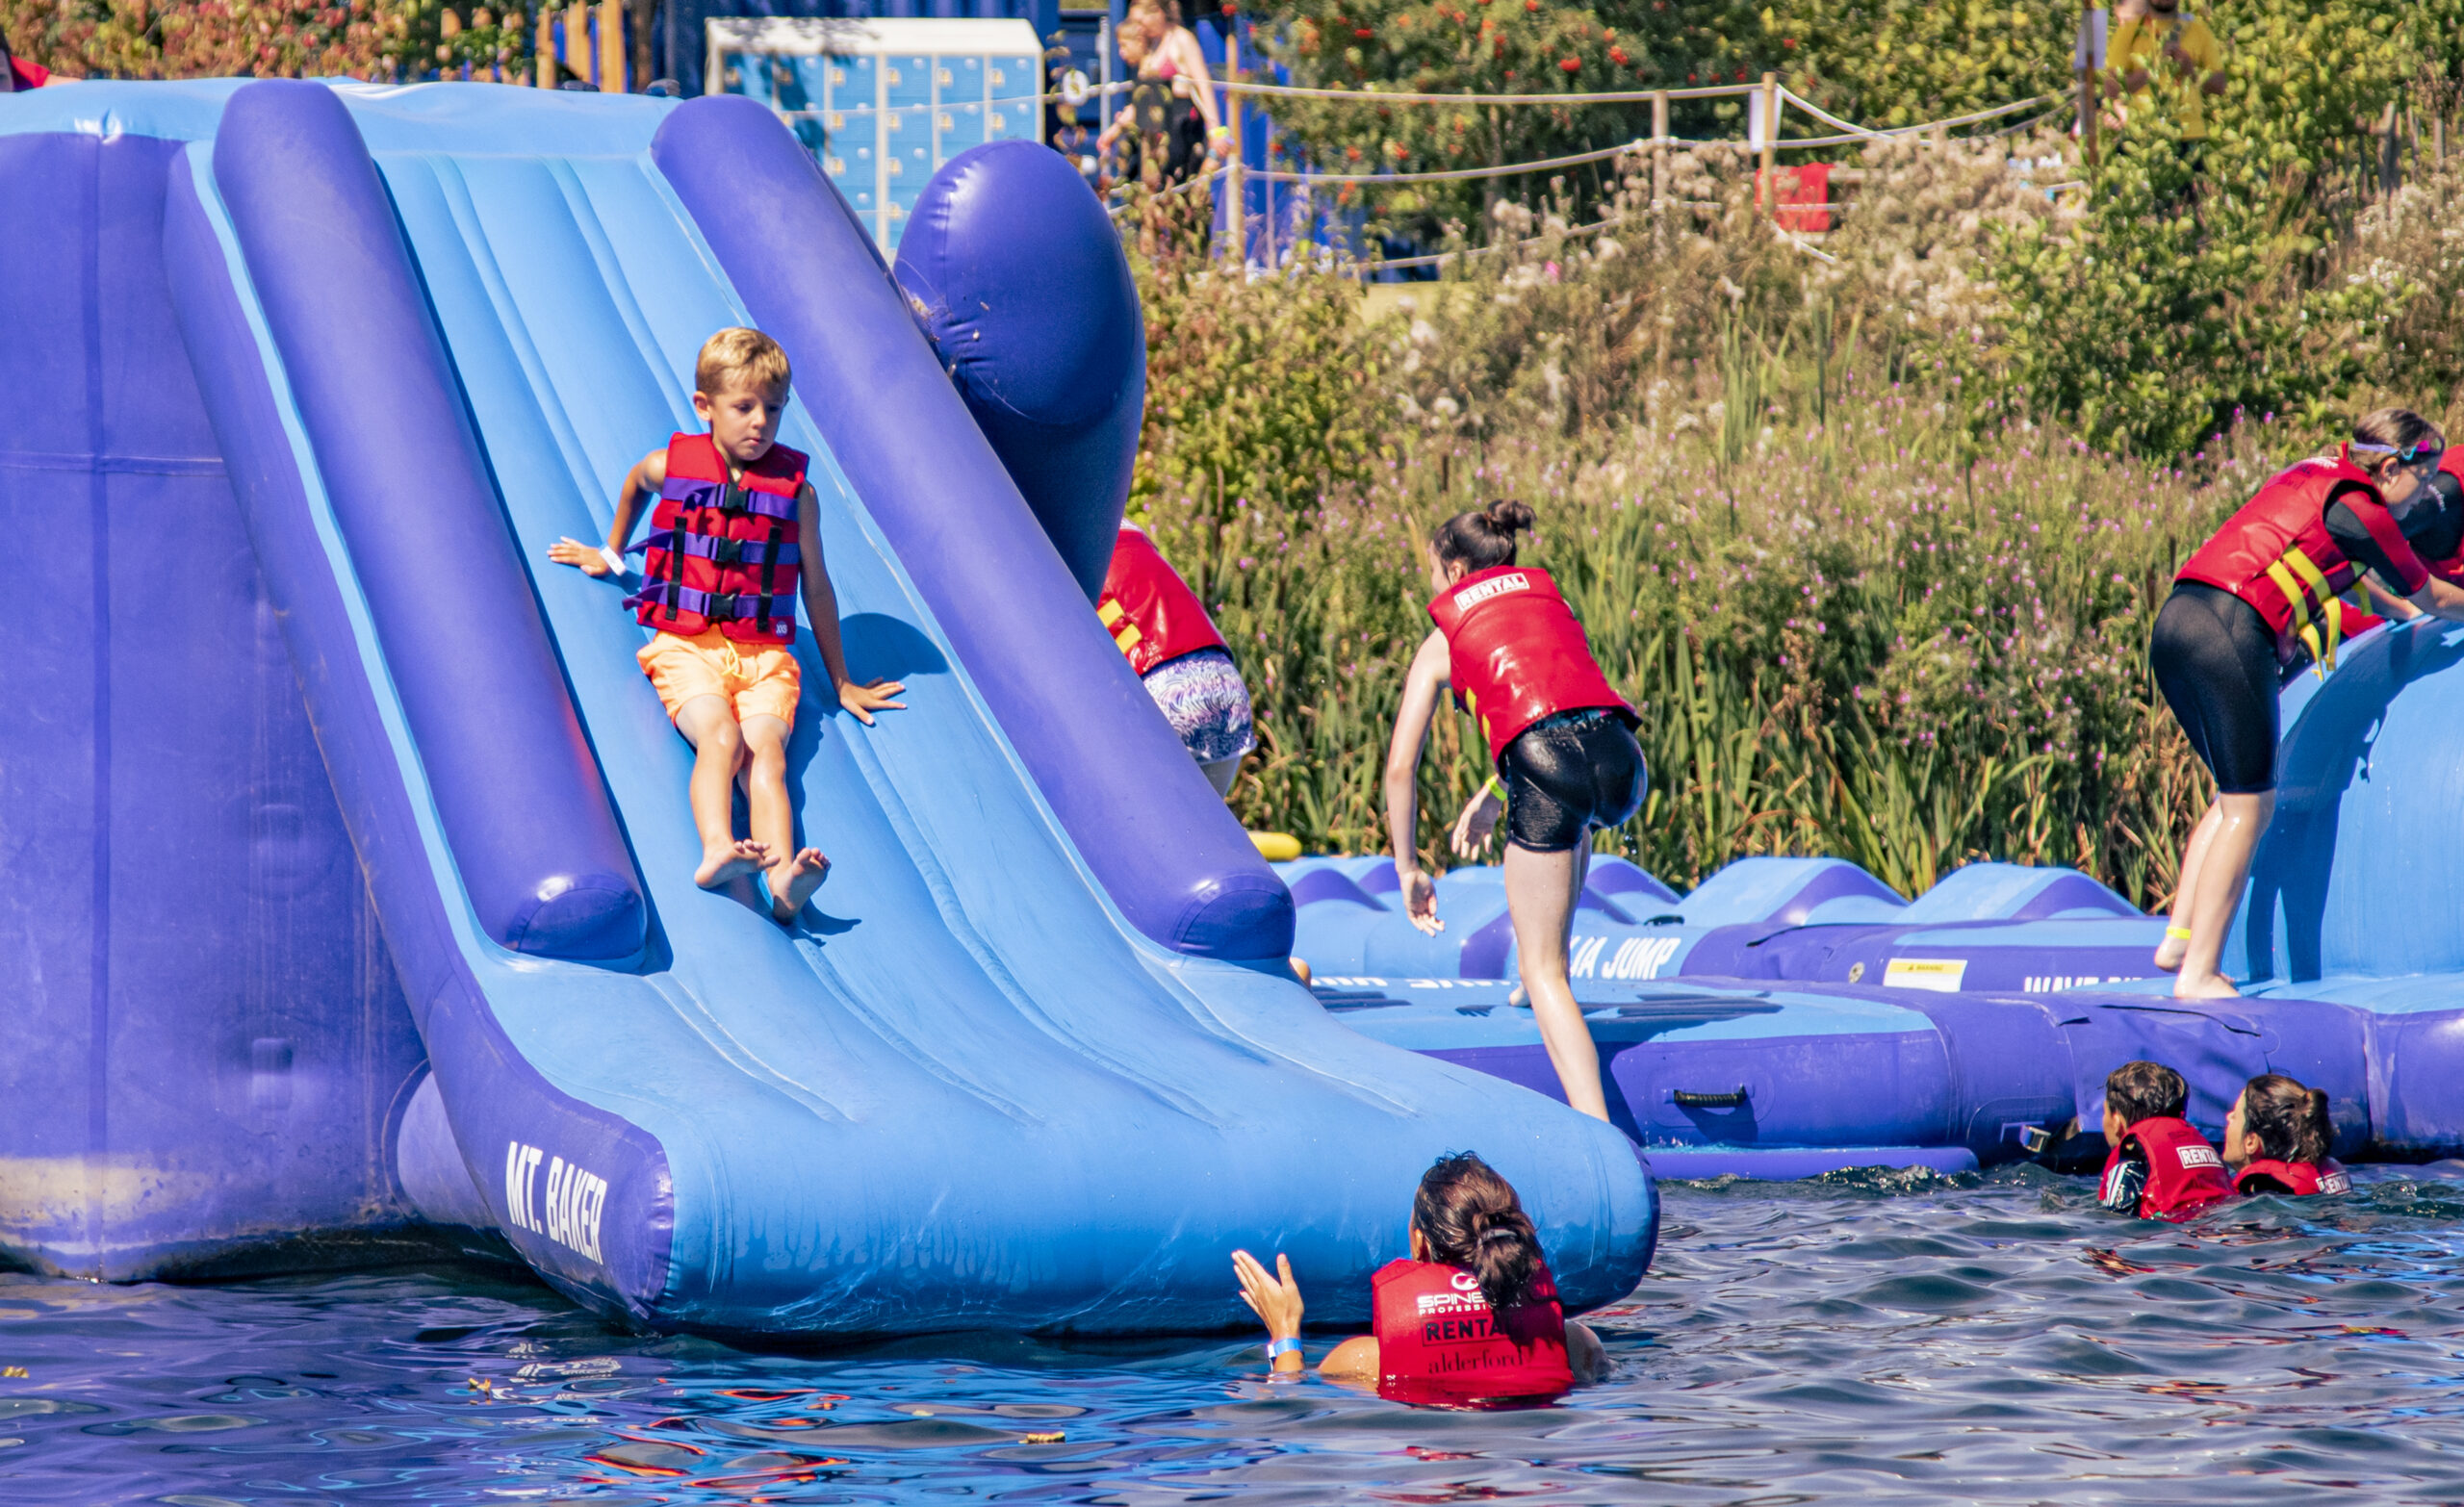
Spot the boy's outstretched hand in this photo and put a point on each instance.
(870, 697)
(583, 558)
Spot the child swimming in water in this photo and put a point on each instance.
(2277, 1140)
(1471, 1319)
(2159, 1168)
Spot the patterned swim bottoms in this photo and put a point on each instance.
(1202, 697)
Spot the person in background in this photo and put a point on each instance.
(20, 74)
(2262, 594)
(1161, 626)
(2159, 1168)
(2277, 1140)
(1559, 739)
(2157, 41)
(1174, 57)
(1470, 1320)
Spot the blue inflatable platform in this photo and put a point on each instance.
(1793, 1015)
(350, 884)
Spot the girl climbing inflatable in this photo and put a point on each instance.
(1163, 628)
(1562, 742)
(2256, 600)
(1471, 1319)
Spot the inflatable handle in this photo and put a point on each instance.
(517, 787)
(1018, 277)
(1149, 826)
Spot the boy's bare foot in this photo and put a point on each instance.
(792, 883)
(2214, 987)
(728, 861)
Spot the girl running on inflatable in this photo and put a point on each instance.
(2276, 1138)
(1470, 1320)
(1560, 737)
(2257, 600)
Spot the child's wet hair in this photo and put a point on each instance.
(2289, 1119)
(2146, 1091)
(740, 354)
(2392, 428)
(1472, 1218)
(1482, 539)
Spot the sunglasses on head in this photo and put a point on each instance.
(2418, 453)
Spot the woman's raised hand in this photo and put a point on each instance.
(1276, 1299)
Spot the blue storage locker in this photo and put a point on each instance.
(958, 106)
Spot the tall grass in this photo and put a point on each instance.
(1853, 641)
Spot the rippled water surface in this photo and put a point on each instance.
(1964, 1340)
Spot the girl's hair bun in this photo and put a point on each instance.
(1510, 516)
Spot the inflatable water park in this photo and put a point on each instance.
(351, 887)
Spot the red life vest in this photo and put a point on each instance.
(2276, 553)
(2184, 1172)
(1439, 1343)
(1516, 654)
(723, 552)
(1149, 610)
(2304, 1178)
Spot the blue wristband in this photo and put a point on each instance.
(1280, 1347)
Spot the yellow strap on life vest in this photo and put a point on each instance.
(1125, 634)
(2327, 607)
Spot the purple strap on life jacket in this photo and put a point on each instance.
(723, 552)
(690, 491)
(718, 607)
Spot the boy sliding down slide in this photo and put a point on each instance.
(735, 534)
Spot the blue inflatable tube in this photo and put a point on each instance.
(1170, 852)
(539, 848)
(1016, 275)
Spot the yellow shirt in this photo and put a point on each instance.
(2140, 43)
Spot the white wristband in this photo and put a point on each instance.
(615, 561)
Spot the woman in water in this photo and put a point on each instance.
(2257, 600)
(1471, 1319)
(1560, 738)
(2276, 1137)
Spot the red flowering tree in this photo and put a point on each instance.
(205, 39)
(1499, 48)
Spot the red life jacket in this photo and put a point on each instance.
(723, 552)
(2277, 555)
(1516, 654)
(1439, 1343)
(2304, 1178)
(2184, 1172)
(1150, 611)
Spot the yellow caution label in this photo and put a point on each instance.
(1941, 975)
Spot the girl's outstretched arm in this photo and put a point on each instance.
(1423, 686)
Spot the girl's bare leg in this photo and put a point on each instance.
(2242, 820)
(1540, 889)
(2171, 952)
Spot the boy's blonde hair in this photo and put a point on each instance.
(740, 354)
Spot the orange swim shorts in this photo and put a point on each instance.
(756, 680)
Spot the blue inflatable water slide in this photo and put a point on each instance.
(350, 868)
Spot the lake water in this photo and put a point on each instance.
(1887, 1338)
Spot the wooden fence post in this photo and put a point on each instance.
(612, 47)
(544, 46)
(1768, 191)
(2087, 83)
(1659, 150)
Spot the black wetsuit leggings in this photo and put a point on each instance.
(1567, 774)
(2214, 658)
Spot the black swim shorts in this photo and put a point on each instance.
(1567, 774)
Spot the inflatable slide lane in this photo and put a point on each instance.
(361, 899)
